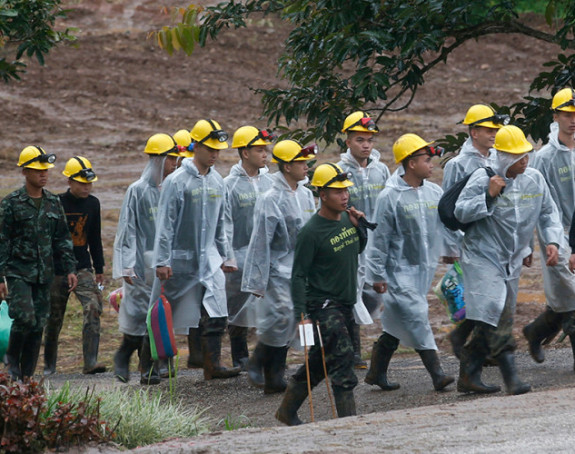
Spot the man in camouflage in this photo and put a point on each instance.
(32, 230)
(324, 291)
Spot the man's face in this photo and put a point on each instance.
(421, 164)
(360, 144)
(483, 137)
(36, 178)
(78, 189)
(256, 156)
(335, 199)
(297, 169)
(170, 164)
(205, 156)
(519, 167)
(566, 121)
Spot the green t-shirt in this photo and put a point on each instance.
(325, 264)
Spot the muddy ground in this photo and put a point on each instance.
(104, 97)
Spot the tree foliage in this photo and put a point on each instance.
(27, 30)
(374, 55)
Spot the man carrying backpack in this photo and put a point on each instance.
(504, 210)
(476, 152)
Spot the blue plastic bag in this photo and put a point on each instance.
(5, 326)
(449, 290)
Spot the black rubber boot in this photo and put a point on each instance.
(380, 358)
(542, 330)
(30, 353)
(295, 394)
(514, 386)
(14, 353)
(274, 369)
(431, 362)
(572, 339)
(255, 366)
(344, 402)
(166, 368)
(148, 373)
(195, 359)
(358, 363)
(458, 336)
(470, 374)
(50, 354)
(123, 355)
(211, 349)
(90, 346)
(239, 346)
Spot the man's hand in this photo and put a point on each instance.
(552, 255)
(229, 268)
(528, 261)
(496, 185)
(380, 287)
(128, 280)
(449, 260)
(354, 215)
(164, 272)
(572, 263)
(72, 282)
(100, 279)
(3, 291)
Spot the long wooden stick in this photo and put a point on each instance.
(307, 373)
(325, 371)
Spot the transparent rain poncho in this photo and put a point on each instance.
(368, 182)
(403, 252)
(241, 193)
(499, 238)
(279, 215)
(191, 240)
(467, 161)
(557, 163)
(134, 244)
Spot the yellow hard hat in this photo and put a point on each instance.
(359, 121)
(406, 145)
(162, 144)
(564, 100)
(330, 175)
(289, 150)
(482, 115)
(33, 157)
(250, 136)
(511, 139)
(80, 169)
(184, 141)
(210, 133)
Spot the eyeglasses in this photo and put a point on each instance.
(42, 157)
(498, 119)
(85, 172)
(264, 134)
(366, 122)
(218, 134)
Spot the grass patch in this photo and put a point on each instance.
(137, 417)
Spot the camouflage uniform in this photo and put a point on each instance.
(31, 232)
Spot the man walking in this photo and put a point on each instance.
(32, 230)
(83, 216)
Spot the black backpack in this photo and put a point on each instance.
(446, 206)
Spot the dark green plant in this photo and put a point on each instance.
(27, 30)
(367, 54)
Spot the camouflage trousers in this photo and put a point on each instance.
(493, 340)
(28, 305)
(90, 298)
(336, 324)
